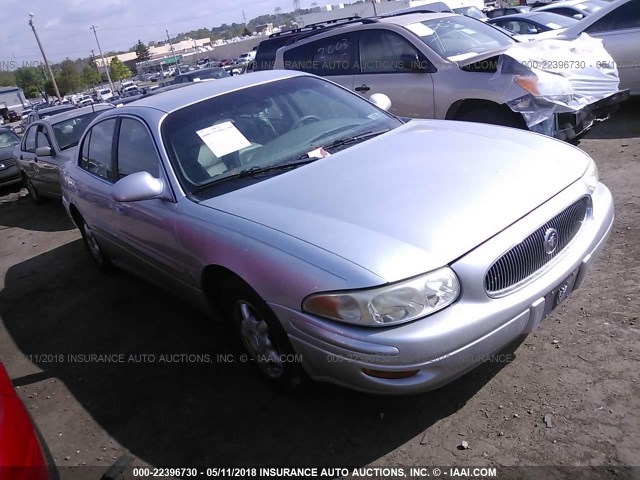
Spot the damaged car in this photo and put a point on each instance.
(448, 66)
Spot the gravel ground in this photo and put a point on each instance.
(567, 395)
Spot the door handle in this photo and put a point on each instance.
(363, 88)
(21, 157)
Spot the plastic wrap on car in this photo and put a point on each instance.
(571, 74)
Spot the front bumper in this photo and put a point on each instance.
(451, 342)
(9, 175)
(566, 125)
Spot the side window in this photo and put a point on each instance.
(42, 139)
(96, 150)
(625, 16)
(136, 150)
(382, 51)
(30, 140)
(333, 55)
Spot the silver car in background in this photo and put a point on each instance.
(383, 256)
(47, 144)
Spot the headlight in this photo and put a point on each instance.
(388, 305)
(528, 82)
(590, 177)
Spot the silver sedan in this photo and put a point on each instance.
(342, 243)
(47, 144)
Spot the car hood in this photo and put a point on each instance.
(413, 199)
(6, 153)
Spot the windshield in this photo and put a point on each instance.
(8, 139)
(265, 126)
(68, 132)
(207, 74)
(460, 37)
(590, 6)
(554, 21)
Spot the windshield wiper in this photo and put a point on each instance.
(253, 171)
(347, 140)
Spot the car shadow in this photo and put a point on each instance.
(173, 391)
(20, 211)
(623, 124)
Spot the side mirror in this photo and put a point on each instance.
(381, 101)
(43, 152)
(137, 186)
(578, 16)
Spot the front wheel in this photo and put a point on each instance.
(262, 337)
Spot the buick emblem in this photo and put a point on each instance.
(550, 240)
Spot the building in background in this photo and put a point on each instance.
(12, 98)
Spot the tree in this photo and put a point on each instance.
(7, 79)
(142, 51)
(90, 75)
(31, 80)
(118, 70)
(68, 79)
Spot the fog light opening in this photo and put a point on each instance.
(389, 375)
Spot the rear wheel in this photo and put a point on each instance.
(99, 257)
(33, 193)
(262, 337)
(493, 116)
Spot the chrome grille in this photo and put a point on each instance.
(529, 256)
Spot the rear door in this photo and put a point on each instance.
(333, 57)
(93, 182)
(391, 64)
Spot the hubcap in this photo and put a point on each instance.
(94, 248)
(254, 332)
(31, 190)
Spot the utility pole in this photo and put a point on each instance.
(175, 60)
(375, 12)
(104, 62)
(46, 62)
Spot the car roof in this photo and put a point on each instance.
(571, 3)
(48, 110)
(594, 17)
(408, 19)
(177, 98)
(76, 112)
(526, 15)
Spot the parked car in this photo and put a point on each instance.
(577, 9)
(532, 23)
(9, 171)
(13, 116)
(104, 95)
(337, 239)
(22, 455)
(618, 25)
(214, 73)
(47, 144)
(473, 12)
(500, 12)
(41, 113)
(447, 66)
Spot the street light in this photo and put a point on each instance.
(46, 62)
(104, 62)
(175, 60)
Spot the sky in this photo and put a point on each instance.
(64, 25)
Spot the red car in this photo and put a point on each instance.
(21, 455)
(13, 116)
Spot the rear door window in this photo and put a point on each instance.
(97, 150)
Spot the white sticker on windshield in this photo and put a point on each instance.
(555, 26)
(374, 115)
(223, 138)
(420, 29)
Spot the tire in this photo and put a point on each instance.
(33, 193)
(100, 259)
(262, 337)
(494, 116)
